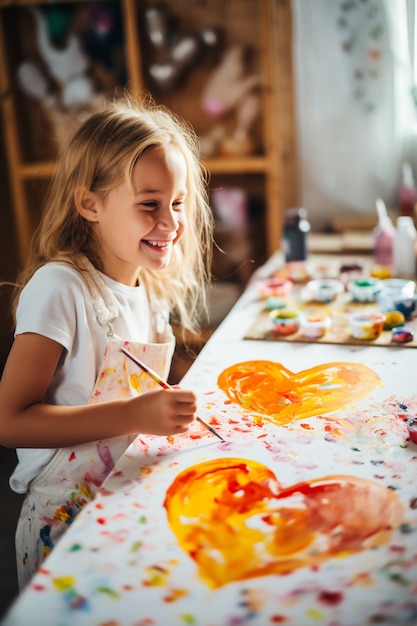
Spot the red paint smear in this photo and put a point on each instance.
(101, 520)
(38, 587)
(306, 426)
(330, 598)
(44, 571)
(399, 549)
(99, 505)
(72, 456)
(278, 619)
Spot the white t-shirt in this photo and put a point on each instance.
(57, 304)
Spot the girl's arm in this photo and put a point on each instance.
(26, 421)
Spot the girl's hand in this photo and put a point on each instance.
(163, 411)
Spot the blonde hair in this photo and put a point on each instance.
(101, 154)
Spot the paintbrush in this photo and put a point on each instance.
(164, 384)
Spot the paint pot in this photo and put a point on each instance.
(406, 306)
(285, 322)
(272, 287)
(381, 271)
(350, 271)
(297, 271)
(365, 289)
(395, 290)
(274, 302)
(393, 319)
(412, 428)
(402, 334)
(366, 326)
(325, 289)
(314, 326)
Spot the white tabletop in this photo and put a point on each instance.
(305, 516)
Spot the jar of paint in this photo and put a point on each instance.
(402, 334)
(314, 326)
(285, 321)
(394, 289)
(365, 289)
(325, 289)
(367, 326)
(274, 287)
(393, 319)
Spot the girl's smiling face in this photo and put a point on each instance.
(138, 224)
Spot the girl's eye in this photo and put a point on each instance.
(152, 205)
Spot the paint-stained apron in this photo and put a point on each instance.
(73, 476)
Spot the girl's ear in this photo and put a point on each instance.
(87, 204)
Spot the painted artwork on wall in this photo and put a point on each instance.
(305, 514)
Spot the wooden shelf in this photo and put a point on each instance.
(264, 25)
(247, 165)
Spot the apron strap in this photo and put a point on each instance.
(104, 304)
(106, 309)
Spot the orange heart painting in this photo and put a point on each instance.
(237, 522)
(270, 389)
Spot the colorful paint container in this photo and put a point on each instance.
(394, 291)
(274, 302)
(406, 305)
(367, 326)
(393, 319)
(325, 289)
(381, 271)
(365, 289)
(314, 326)
(285, 322)
(412, 428)
(402, 334)
(273, 287)
(297, 271)
(350, 271)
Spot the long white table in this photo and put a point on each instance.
(306, 515)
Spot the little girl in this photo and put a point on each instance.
(125, 238)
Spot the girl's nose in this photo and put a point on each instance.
(168, 220)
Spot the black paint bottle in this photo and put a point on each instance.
(295, 239)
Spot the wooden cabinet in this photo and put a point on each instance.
(267, 174)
